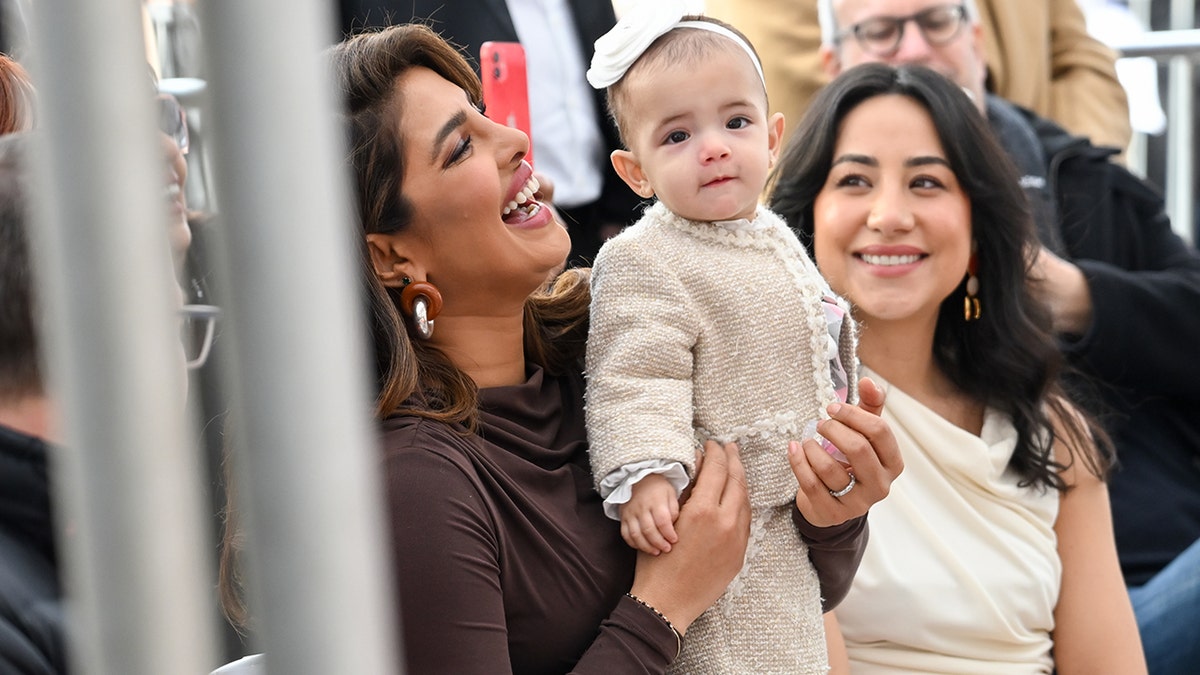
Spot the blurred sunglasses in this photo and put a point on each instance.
(172, 120)
(198, 329)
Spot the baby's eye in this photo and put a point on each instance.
(677, 137)
(738, 122)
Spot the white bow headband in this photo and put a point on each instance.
(620, 47)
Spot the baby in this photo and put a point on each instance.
(709, 320)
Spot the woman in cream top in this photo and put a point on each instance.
(994, 551)
(959, 542)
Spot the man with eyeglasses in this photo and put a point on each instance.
(1123, 290)
(1038, 52)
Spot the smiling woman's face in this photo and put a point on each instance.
(462, 173)
(892, 226)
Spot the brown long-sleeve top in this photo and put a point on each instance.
(505, 560)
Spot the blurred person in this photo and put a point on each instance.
(994, 551)
(572, 134)
(31, 612)
(1119, 283)
(1038, 55)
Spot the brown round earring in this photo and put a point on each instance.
(421, 302)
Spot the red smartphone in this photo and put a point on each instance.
(505, 87)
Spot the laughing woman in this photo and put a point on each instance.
(994, 552)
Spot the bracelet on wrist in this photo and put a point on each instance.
(664, 619)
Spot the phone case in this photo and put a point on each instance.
(505, 88)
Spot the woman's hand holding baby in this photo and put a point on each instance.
(832, 492)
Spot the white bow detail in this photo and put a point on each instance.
(639, 26)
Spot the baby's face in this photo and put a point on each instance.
(701, 137)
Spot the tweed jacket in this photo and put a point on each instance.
(721, 330)
(710, 330)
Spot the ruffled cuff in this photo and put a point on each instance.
(617, 486)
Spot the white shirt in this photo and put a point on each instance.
(568, 145)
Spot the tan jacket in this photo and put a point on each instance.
(1039, 55)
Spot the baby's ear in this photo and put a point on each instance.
(775, 126)
(630, 171)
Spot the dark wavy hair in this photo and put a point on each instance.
(1009, 358)
(412, 376)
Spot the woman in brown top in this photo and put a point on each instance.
(505, 560)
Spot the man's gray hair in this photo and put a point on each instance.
(829, 27)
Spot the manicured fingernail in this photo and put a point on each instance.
(834, 408)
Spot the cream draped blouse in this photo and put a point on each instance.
(961, 573)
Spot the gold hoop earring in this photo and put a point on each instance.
(971, 307)
(421, 302)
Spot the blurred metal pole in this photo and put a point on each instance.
(308, 471)
(1162, 44)
(138, 573)
(1180, 49)
(1136, 154)
(1181, 151)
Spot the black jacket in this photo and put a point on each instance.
(1140, 355)
(31, 613)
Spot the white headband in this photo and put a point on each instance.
(620, 47)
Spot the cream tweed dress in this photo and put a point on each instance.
(718, 330)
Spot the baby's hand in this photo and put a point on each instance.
(648, 518)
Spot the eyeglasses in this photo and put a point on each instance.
(881, 35)
(199, 327)
(172, 120)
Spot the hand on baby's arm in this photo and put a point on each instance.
(648, 518)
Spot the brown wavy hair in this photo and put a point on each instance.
(413, 377)
(16, 97)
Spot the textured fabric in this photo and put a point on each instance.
(706, 330)
(31, 613)
(505, 560)
(717, 330)
(962, 572)
(1140, 354)
(1038, 53)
